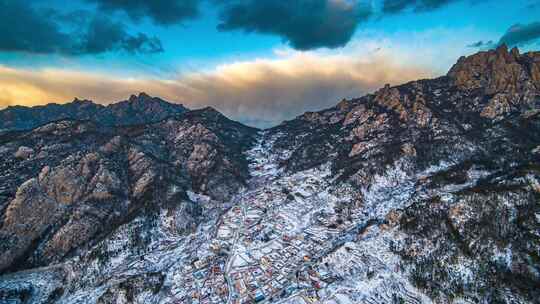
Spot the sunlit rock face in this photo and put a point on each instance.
(80, 181)
(509, 80)
(466, 142)
(426, 192)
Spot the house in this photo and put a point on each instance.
(200, 264)
(199, 274)
(259, 296)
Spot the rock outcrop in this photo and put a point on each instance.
(508, 79)
(464, 143)
(80, 181)
(426, 192)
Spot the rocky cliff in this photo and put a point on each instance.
(463, 152)
(68, 183)
(426, 192)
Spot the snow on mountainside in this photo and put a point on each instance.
(78, 182)
(426, 192)
(460, 154)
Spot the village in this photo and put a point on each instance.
(289, 238)
(269, 245)
(292, 239)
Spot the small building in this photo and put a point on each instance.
(259, 296)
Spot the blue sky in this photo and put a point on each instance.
(224, 52)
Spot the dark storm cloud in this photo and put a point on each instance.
(26, 29)
(304, 24)
(262, 92)
(521, 34)
(397, 6)
(533, 4)
(481, 44)
(163, 12)
(516, 35)
(104, 35)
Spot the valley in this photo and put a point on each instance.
(425, 192)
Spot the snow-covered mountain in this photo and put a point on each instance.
(427, 192)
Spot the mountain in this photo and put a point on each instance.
(68, 183)
(135, 110)
(452, 164)
(426, 192)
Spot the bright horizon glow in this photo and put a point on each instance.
(257, 77)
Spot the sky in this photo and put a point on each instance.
(257, 61)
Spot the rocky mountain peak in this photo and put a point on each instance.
(138, 109)
(77, 101)
(73, 182)
(425, 192)
(210, 111)
(453, 155)
(515, 52)
(498, 70)
(142, 97)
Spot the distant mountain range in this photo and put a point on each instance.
(426, 192)
(136, 110)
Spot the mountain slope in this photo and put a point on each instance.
(459, 157)
(69, 183)
(135, 110)
(427, 192)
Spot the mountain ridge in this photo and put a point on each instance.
(425, 192)
(140, 108)
(462, 150)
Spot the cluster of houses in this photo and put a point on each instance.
(204, 282)
(265, 248)
(277, 274)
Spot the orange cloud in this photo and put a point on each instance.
(260, 92)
